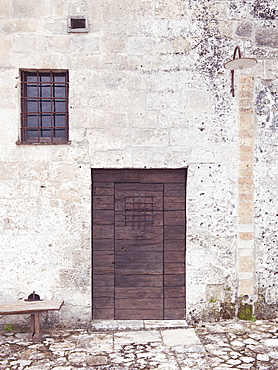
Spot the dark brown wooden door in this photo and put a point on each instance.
(139, 244)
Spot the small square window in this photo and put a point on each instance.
(77, 24)
(44, 106)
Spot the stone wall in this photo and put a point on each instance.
(148, 89)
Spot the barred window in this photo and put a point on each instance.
(44, 106)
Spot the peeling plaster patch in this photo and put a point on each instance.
(267, 37)
(266, 105)
(262, 9)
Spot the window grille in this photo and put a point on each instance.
(44, 106)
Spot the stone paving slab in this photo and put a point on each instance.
(147, 345)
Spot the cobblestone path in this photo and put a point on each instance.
(146, 345)
(241, 345)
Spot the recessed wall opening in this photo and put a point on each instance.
(77, 24)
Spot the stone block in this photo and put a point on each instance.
(246, 235)
(246, 287)
(22, 42)
(113, 44)
(115, 138)
(181, 45)
(136, 337)
(245, 102)
(215, 293)
(244, 29)
(245, 173)
(247, 164)
(271, 295)
(246, 141)
(84, 44)
(178, 337)
(246, 264)
(246, 134)
(266, 37)
(245, 244)
(120, 10)
(32, 8)
(246, 276)
(96, 342)
(151, 138)
(96, 360)
(5, 8)
(57, 43)
(249, 228)
(245, 208)
(148, 119)
(246, 81)
(203, 155)
(6, 43)
(245, 181)
(179, 137)
(168, 158)
(245, 219)
(246, 158)
(246, 122)
(140, 45)
(168, 9)
(245, 188)
(248, 252)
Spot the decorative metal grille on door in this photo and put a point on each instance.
(139, 211)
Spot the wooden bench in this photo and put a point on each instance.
(34, 308)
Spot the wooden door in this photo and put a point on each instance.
(139, 244)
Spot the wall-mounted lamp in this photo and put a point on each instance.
(238, 63)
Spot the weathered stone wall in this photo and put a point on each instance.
(148, 89)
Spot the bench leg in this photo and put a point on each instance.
(35, 334)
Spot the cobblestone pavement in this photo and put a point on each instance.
(131, 345)
(241, 345)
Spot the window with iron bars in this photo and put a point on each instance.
(44, 106)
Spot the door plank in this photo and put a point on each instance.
(138, 292)
(103, 291)
(177, 313)
(103, 202)
(103, 232)
(174, 256)
(128, 246)
(174, 268)
(174, 218)
(146, 233)
(103, 217)
(103, 313)
(103, 280)
(138, 280)
(123, 189)
(174, 280)
(106, 302)
(139, 304)
(103, 245)
(143, 257)
(173, 302)
(103, 188)
(174, 292)
(145, 314)
(139, 271)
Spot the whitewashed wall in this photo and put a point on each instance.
(147, 90)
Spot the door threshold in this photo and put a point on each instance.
(137, 324)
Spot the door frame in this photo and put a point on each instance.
(127, 175)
